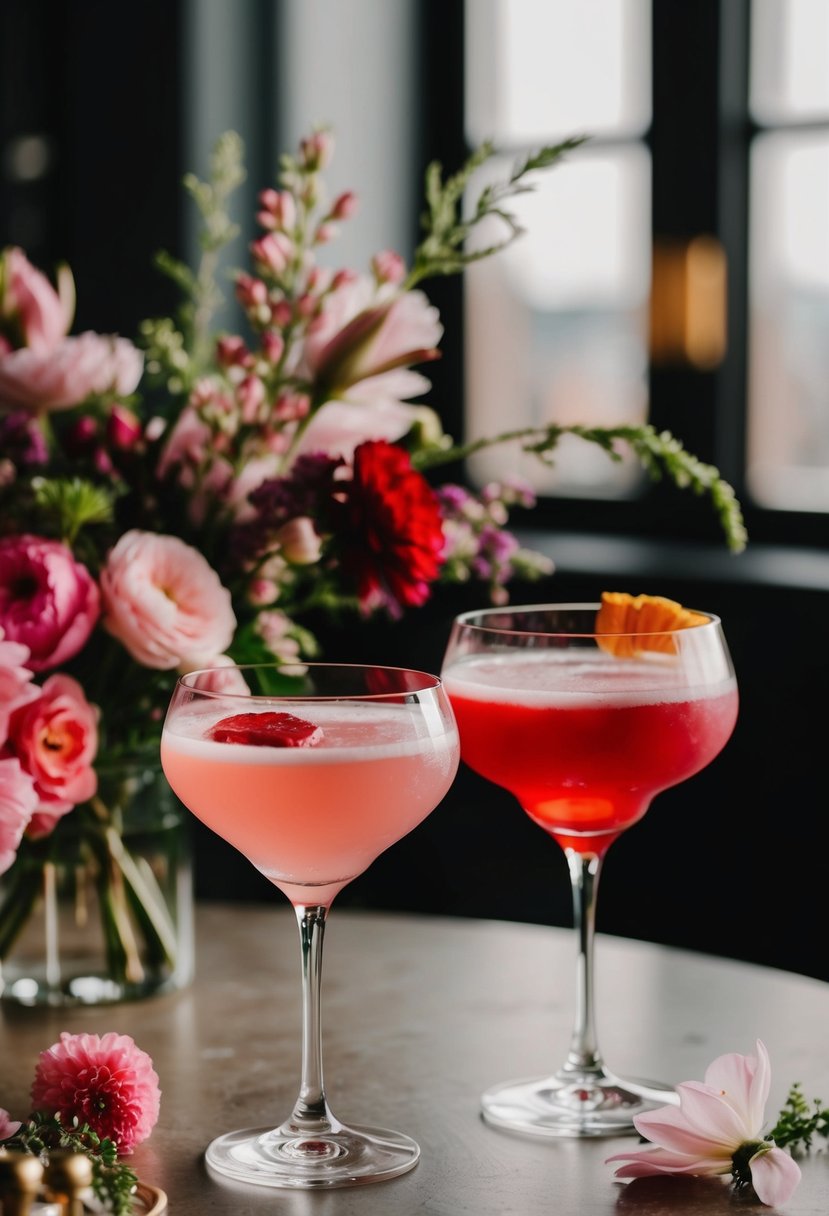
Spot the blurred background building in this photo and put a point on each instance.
(675, 269)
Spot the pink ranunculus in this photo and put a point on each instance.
(8, 1126)
(165, 602)
(74, 370)
(108, 1082)
(48, 600)
(715, 1121)
(55, 738)
(18, 801)
(41, 315)
(16, 687)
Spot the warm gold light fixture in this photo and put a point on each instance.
(688, 302)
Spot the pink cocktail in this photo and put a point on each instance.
(313, 817)
(311, 773)
(585, 729)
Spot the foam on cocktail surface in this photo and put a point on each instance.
(352, 731)
(557, 679)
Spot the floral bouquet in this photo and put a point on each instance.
(196, 498)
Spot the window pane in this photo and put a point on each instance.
(538, 70)
(788, 455)
(789, 60)
(557, 323)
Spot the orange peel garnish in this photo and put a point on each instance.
(626, 625)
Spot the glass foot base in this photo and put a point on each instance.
(571, 1105)
(348, 1156)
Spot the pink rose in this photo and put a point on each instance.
(18, 800)
(16, 687)
(164, 602)
(55, 739)
(40, 314)
(48, 601)
(77, 368)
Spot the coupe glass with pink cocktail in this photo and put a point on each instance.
(584, 728)
(311, 773)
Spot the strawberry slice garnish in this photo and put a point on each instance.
(267, 730)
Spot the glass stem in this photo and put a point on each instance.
(311, 1114)
(583, 1056)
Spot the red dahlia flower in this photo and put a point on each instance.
(390, 528)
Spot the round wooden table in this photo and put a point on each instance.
(420, 1015)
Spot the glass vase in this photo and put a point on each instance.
(100, 910)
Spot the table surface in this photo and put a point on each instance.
(420, 1015)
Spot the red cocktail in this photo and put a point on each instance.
(585, 729)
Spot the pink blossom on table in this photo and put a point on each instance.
(717, 1129)
(40, 314)
(362, 333)
(388, 267)
(8, 1126)
(16, 687)
(107, 1082)
(165, 602)
(55, 738)
(48, 601)
(18, 802)
(69, 373)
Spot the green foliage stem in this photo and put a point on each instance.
(659, 452)
(799, 1122)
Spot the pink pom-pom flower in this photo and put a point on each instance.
(108, 1082)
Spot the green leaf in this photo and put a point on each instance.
(73, 504)
(443, 249)
(659, 452)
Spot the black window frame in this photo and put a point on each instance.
(699, 141)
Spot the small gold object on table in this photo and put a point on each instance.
(28, 1188)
